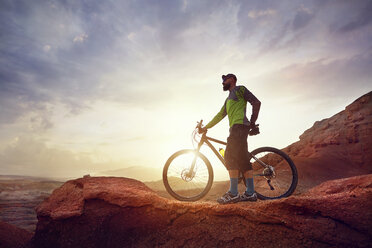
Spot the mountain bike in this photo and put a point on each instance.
(188, 174)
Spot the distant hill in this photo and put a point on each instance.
(19, 195)
(141, 173)
(32, 178)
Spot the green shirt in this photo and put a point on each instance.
(235, 108)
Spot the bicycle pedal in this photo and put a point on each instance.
(269, 183)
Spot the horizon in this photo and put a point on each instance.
(100, 86)
(119, 171)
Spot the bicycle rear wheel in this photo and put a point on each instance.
(184, 184)
(279, 181)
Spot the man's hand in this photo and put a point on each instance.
(202, 130)
(254, 129)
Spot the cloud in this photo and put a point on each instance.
(131, 36)
(40, 64)
(30, 156)
(273, 23)
(362, 17)
(302, 18)
(136, 48)
(80, 38)
(322, 79)
(47, 48)
(31, 74)
(300, 25)
(41, 121)
(261, 13)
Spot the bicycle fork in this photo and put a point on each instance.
(190, 174)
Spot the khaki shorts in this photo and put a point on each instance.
(236, 155)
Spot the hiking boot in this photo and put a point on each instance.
(228, 198)
(246, 197)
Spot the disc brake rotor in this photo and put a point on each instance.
(186, 175)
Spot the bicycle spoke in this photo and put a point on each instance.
(185, 182)
(278, 172)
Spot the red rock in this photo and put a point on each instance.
(12, 236)
(122, 212)
(336, 147)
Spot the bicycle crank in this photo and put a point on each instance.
(269, 183)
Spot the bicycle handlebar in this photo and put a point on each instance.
(199, 125)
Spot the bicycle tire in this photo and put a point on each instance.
(182, 194)
(291, 180)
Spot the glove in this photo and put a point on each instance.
(254, 129)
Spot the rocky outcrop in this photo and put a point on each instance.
(336, 147)
(122, 212)
(12, 236)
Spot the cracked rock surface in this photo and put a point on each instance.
(122, 212)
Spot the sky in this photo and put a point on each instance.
(91, 86)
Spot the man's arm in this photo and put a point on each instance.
(219, 116)
(256, 104)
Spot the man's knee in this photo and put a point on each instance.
(248, 173)
(234, 173)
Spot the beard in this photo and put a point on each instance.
(226, 87)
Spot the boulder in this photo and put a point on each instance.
(122, 212)
(336, 147)
(12, 236)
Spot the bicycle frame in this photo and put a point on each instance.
(206, 139)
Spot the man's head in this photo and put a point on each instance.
(228, 81)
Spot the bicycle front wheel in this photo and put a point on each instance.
(275, 174)
(187, 175)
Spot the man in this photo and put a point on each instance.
(236, 155)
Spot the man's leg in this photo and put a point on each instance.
(248, 175)
(234, 179)
(249, 194)
(230, 155)
(232, 195)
